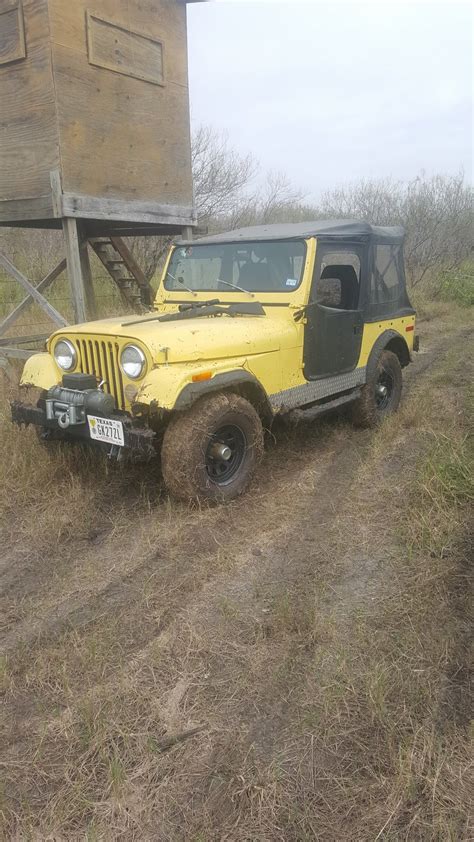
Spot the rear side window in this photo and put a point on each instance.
(386, 282)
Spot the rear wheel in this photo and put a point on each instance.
(211, 451)
(382, 392)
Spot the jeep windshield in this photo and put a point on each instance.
(237, 267)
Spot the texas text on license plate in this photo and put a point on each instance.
(105, 429)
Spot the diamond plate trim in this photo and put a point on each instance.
(318, 389)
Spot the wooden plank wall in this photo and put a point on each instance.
(28, 129)
(123, 137)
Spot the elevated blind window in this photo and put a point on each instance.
(12, 34)
(114, 47)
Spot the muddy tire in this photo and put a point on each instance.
(382, 392)
(211, 451)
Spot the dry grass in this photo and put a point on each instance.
(315, 632)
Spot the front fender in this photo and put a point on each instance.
(172, 386)
(40, 371)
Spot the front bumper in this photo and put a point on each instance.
(139, 441)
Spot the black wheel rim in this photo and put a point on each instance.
(225, 454)
(383, 390)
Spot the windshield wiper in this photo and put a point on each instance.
(180, 281)
(204, 308)
(234, 286)
(253, 308)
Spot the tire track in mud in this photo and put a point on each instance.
(429, 355)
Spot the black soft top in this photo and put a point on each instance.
(329, 229)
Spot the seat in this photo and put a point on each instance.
(256, 277)
(347, 275)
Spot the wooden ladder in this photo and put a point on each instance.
(124, 270)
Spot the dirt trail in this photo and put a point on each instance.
(224, 618)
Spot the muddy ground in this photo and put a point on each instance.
(251, 672)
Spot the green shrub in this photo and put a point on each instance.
(458, 285)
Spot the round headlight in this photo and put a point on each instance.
(133, 362)
(65, 355)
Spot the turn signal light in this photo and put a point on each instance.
(410, 327)
(203, 375)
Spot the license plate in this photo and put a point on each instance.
(105, 429)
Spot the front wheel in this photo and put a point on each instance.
(211, 451)
(381, 394)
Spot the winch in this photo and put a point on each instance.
(78, 396)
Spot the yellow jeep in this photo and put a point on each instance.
(248, 325)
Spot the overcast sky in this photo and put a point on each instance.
(330, 92)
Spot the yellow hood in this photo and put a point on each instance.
(192, 340)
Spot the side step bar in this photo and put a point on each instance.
(313, 411)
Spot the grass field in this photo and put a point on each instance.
(293, 666)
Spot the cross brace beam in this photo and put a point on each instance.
(42, 286)
(15, 273)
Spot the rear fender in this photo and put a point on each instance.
(393, 341)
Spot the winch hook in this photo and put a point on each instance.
(63, 420)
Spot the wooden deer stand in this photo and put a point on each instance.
(95, 140)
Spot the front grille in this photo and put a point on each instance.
(101, 358)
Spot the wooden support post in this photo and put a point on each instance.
(79, 270)
(91, 303)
